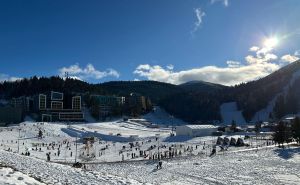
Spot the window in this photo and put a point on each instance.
(57, 96)
(76, 103)
(71, 116)
(42, 102)
(56, 105)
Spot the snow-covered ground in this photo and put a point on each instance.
(230, 112)
(124, 150)
(271, 166)
(265, 166)
(51, 173)
(12, 177)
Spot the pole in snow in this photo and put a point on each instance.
(19, 139)
(76, 149)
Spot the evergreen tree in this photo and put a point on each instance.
(282, 133)
(296, 129)
(233, 126)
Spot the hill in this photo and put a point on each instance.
(201, 86)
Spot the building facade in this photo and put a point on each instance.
(57, 106)
(104, 105)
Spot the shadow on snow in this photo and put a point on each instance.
(287, 153)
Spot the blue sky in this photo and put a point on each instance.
(221, 41)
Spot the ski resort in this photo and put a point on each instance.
(169, 92)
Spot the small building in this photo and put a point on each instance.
(196, 130)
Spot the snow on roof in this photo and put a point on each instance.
(200, 126)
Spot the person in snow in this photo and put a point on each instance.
(213, 152)
(48, 156)
(159, 165)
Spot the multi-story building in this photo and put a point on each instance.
(25, 103)
(136, 104)
(57, 106)
(105, 104)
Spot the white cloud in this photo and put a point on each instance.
(254, 48)
(89, 72)
(170, 67)
(227, 75)
(199, 15)
(289, 58)
(297, 53)
(225, 2)
(5, 77)
(263, 63)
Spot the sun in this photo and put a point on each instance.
(271, 42)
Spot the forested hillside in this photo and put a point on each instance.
(195, 101)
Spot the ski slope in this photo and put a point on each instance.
(263, 114)
(229, 112)
(160, 117)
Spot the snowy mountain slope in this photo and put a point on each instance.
(160, 117)
(263, 115)
(229, 112)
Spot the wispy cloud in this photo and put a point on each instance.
(199, 15)
(225, 2)
(89, 72)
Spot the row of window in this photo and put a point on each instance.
(58, 105)
(71, 116)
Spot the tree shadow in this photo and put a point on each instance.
(287, 153)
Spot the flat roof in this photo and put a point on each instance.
(200, 126)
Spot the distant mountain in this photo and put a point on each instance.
(201, 86)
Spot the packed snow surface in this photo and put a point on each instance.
(229, 112)
(12, 177)
(160, 117)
